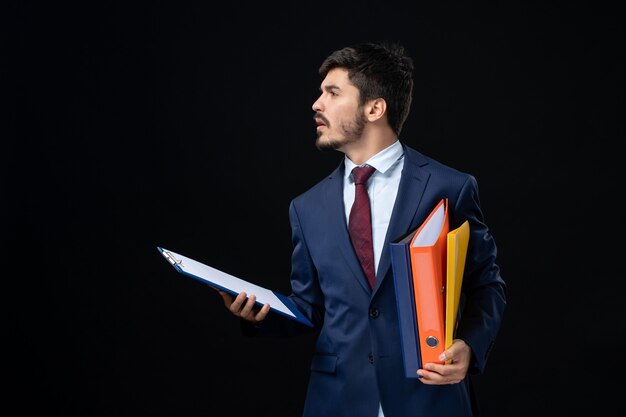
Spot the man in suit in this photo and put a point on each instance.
(357, 369)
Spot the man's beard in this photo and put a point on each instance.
(351, 134)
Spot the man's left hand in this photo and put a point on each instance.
(459, 355)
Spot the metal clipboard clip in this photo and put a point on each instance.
(171, 258)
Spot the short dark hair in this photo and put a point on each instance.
(380, 69)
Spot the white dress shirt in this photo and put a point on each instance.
(382, 189)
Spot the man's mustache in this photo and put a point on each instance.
(322, 118)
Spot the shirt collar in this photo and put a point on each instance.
(382, 161)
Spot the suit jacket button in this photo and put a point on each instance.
(370, 357)
(374, 313)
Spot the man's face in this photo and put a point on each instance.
(339, 118)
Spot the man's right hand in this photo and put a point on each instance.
(243, 307)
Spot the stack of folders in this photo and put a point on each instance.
(428, 267)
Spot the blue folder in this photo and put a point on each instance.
(278, 302)
(405, 302)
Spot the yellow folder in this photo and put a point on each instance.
(458, 240)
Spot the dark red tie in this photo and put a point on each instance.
(360, 222)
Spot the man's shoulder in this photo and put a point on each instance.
(429, 163)
(320, 186)
(318, 189)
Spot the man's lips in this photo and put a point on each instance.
(320, 123)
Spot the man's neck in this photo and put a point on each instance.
(362, 150)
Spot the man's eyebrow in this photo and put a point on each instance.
(331, 87)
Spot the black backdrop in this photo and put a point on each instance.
(130, 126)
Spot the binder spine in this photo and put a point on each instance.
(405, 303)
(429, 302)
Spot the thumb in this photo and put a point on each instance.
(452, 351)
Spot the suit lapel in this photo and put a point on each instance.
(337, 219)
(410, 191)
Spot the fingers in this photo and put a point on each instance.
(244, 307)
(262, 313)
(458, 351)
(457, 359)
(247, 306)
(238, 303)
(251, 313)
(437, 374)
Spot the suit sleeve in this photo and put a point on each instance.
(306, 292)
(484, 290)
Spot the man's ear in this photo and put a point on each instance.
(375, 109)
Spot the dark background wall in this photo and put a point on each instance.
(131, 126)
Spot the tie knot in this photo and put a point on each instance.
(362, 174)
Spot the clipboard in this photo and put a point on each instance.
(215, 278)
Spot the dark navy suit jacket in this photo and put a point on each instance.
(358, 355)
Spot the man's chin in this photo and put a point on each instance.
(323, 144)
